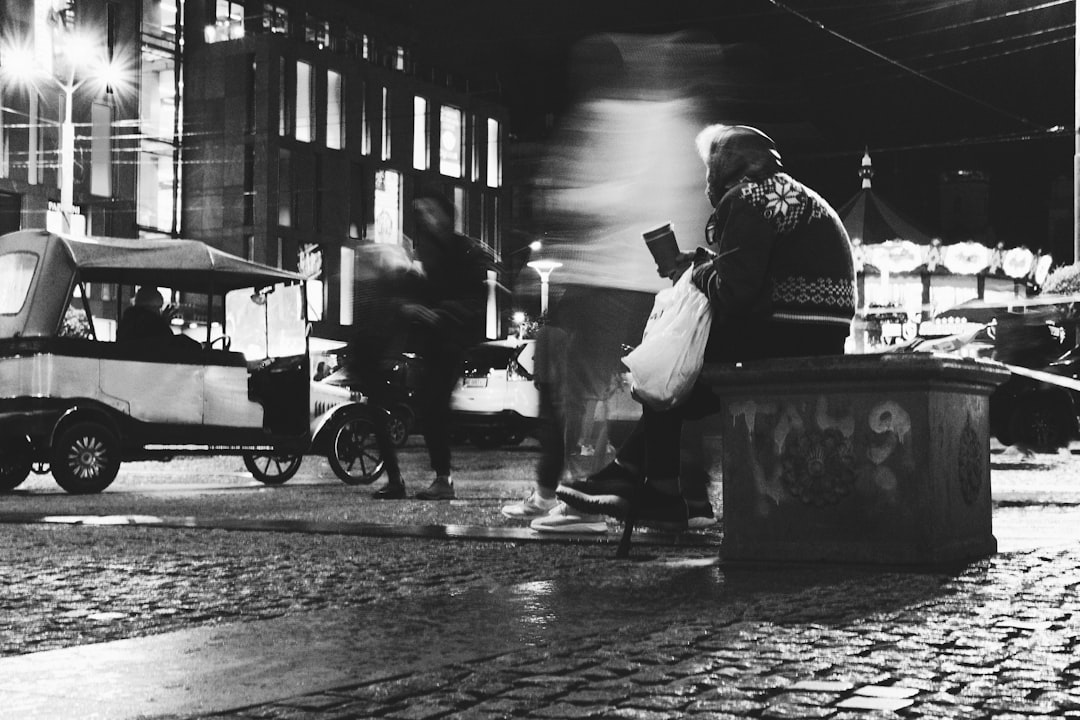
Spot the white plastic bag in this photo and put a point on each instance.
(665, 366)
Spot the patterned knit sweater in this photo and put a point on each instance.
(783, 256)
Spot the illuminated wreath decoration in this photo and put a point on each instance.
(818, 466)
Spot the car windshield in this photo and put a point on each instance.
(269, 323)
(490, 357)
(16, 273)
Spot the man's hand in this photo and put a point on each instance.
(682, 261)
(420, 313)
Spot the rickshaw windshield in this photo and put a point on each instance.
(267, 322)
(16, 274)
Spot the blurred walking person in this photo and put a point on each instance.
(447, 318)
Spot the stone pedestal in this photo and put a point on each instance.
(857, 458)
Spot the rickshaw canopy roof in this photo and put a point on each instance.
(188, 265)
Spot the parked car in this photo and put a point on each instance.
(79, 403)
(496, 401)
(1032, 412)
(1035, 413)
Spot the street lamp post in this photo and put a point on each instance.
(544, 268)
(20, 65)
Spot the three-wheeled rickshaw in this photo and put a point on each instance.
(76, 401)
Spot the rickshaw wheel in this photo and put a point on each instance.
(354, 452)
(15, 463)
(85, 458)
(272, 469)
(398, 425)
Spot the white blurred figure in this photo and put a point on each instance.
(623, 162)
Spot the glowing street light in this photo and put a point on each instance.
(544, 268)
(86, 66)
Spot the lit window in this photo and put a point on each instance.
(365, 122)
(317, 32)
(5, 151)
(387, 206)
(494, 154)
(33, 140)
(284, 191)
(309, 263)
(101, 150)
(275, 19)
(460, 210)
(451, 129)
(385, 123)
(345, 311)
(335, 110)
(474, 148)
(284, 105)
(421, 133)
(228, 22)
(16, 272)
(156, 183)
(305, 103)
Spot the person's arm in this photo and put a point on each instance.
(736, 280)
(462, 310)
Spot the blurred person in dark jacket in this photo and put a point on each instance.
(446, 318)
(387, 278)
(781, 284)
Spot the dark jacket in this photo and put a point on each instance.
(455, 287)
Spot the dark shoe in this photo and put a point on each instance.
(390, 491)
(439, 489)
(607, 492)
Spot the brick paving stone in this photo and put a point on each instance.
(629, 713)
(651, 676)
(534, 694)
(315, 702)
(745, 707)
(564, 710)
(803, 698)
(784, 711)
(419, 710)
(874, 703)
(587, 696)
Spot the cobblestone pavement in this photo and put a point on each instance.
(668, 634)
(998, 640)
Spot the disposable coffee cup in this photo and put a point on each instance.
(665, 250)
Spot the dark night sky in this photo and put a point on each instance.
(927, 85)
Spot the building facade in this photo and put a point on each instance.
(69, 115)
(289, 133)
(307, 134)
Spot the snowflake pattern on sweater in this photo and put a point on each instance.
(784, 202)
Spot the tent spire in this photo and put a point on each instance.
(866, 172)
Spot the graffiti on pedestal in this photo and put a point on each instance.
(819, 452)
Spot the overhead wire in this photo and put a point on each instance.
(904, 67)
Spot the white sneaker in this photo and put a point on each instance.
(564, 519)
(530, 507)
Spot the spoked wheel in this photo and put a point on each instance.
(15, 462)
(399, 425)
(85, 458)
(354, 452)
(272, 469)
